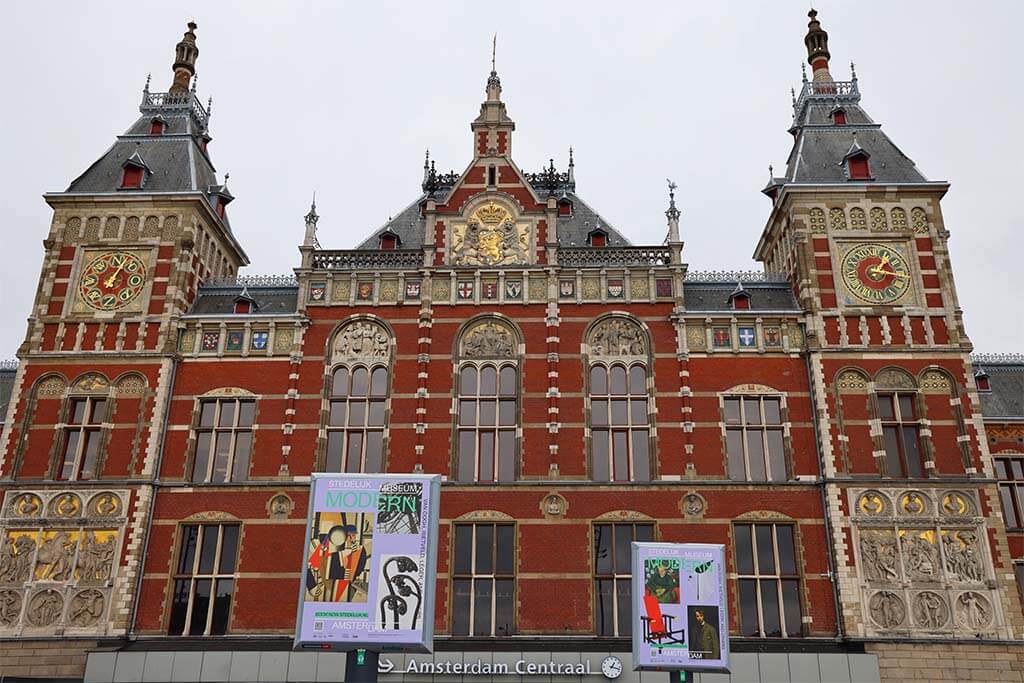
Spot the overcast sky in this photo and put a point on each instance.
(343, 97)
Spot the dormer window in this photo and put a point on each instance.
(858, 168)
(740, 298)
(839, 117)
(131, 178)
(564, 208)
(981, 379)
(597, 238)
(221, 206)
(157, 126)
(243, 306)
(204, 140)
(388, 240)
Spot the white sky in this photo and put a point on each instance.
(343, 97)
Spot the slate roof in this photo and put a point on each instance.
(1006, 379)
(820, 145)
(6, 389)
(270, 300)
(409, 225)
(714, 296)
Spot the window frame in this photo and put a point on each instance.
(764, 427)
(476, 428)
(614, 576)
(96, 430)
(1002, 463)
(757, 577)
(897, 422)
(215, 576)
(628, 363)
(367, 399)
(493, 576)
(214, 430)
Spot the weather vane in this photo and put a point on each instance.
(494, 51)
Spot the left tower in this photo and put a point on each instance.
(130, 241)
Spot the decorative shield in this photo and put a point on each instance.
(747, 337)
(465, 289)
(365, 290)
(513, 289)
(722, 337)
(567, 287)
(412, 289)
(772, 336)
(663, 287)
(234, 341)
(490, 290)
(615, 288)
(259, 340)
(210, 341)
(317, 291)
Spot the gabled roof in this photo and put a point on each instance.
(1006, 380)
(718, 295)
(219, 298)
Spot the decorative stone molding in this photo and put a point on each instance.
(131, 385)
(227, 392)
(554, 505)
(936, 381)
(51, 386)
(280, 506)
(851, 380)
(91, 382)
(754, 389)
(488, 339)
(693, 505)
(211, 516)
(485, 516)
(624, 516)
(764, 516)
(617, 337)
(361, 339)
(892, 378)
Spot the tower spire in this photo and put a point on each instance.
(493, 82)
(818, 55)
(492, 129)
(185, 54)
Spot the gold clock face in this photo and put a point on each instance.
(875, 273)
(112, 280)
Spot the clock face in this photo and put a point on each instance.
(611, 667)
(112, 280)
(875, 273)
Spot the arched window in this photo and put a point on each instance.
(619, 402)
(357, 398)
(85, 419)
(487, 404)
(898, 410)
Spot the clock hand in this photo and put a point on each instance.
(109, 282)
(879, 271)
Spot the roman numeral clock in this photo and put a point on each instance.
(111, 281)
(875, 274)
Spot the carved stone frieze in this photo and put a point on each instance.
(25, 505)
(16, 551)
(962, 556)
(894, 379)
(10, 607)
(44, 608)
(617, 337)
(86, 608)
(693, 505)
(55, 556)
(973, 611)
(280, 506)
(554, 505)
(362, 340)
(930, 610)
(887, 609)
(873, 503)
(696, 339)
(920, 555)
(879, 556)
(65, 505)
(106, 504)
(92, 382)
(489, 339)
(96, 557)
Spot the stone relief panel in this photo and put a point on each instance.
(617, 337)
(489, 339)
(361, 340)
(58, 561)
(923, 563)
(490, 236)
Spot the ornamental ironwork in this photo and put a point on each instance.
(614, 256)
(550, 180)
(251, 281)
(735, 276)
(368, 259)
(434, 181)
(997, 358)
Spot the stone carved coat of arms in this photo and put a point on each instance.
(490, 238)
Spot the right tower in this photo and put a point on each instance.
(913, 511)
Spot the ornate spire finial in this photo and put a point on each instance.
(571, 162)
(672, 214)
(803, 72)
(494, 53)
(853, 71)
(185, 54)
(493, 82)
(816, 41)
(311, 221)
(792, 96)
(146, 87)
(209, 106)
(771, 173)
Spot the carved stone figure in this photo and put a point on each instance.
(489, 238)
(879, 557)
(957, 504)
(44, 608)
(913, 503)
(95, 559)
(54, 558)
(871, 503)
(554, 505)
(930, 610)
(920, 558)
(617, 337)
(973, 610)
(362, 339)
(280, 506)
(105, 505)
(65, 505)
(488, 340)
(10, 607)
(26, 505)
(693, 505)
(86, 608)
(16, 559)
(963, 562)
(887, 609)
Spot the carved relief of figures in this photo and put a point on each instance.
(617, 337)
(65, 505)
(879, 557)
(930, 610)
(490, 237)
(44, 608)
(489, 340)
(973, 611)
(963, 561)
(96, 557)
(53, 562)
(86, 608)
(887, 609)
(10, 607)
(105, 505)
(26, 505)
(16, 558)
(920, 556)
(362, 339)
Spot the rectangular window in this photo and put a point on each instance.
(1010, 472)
(487, 418)
(204, 580)
(355, 419)
(901, 433)
(754, 438)
(613, 576)
(132, 177)
(620, 423)
(483, 580)
(859, 169)
(768, 583)
(82, 434)
(223, 440)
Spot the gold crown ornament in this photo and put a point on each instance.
(490, 214)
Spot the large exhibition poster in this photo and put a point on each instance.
(679, 607)
(369, 563)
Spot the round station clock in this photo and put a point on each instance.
(875, 273)
(112, 280)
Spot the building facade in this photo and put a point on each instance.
(821, 419)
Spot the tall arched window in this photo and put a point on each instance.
(899, 412)
(487, 404)
(356, 411)
(619, 401)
